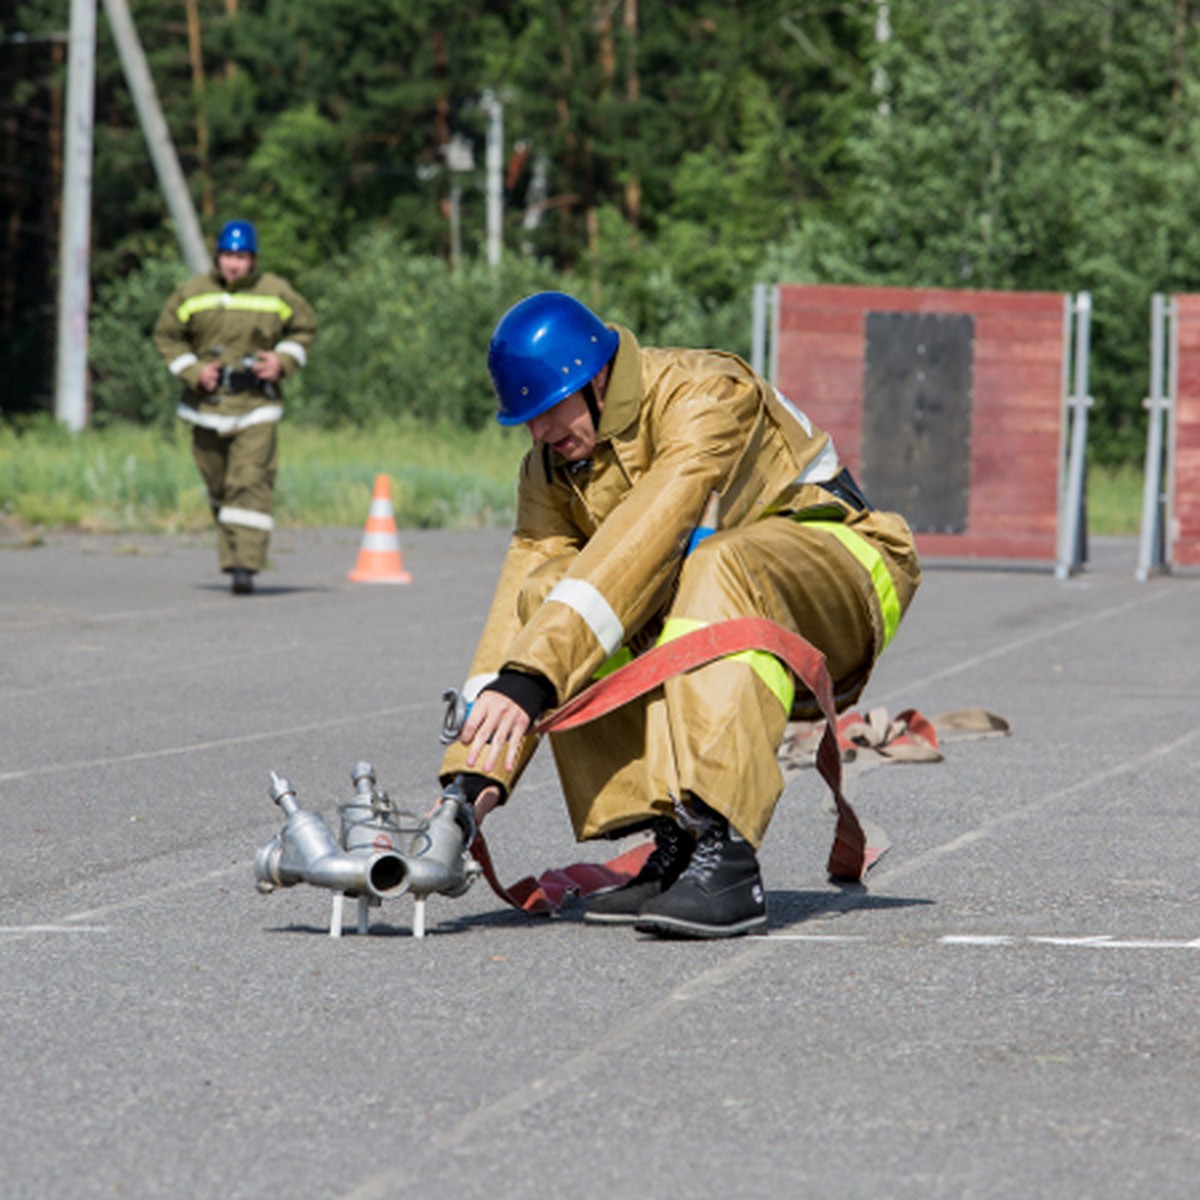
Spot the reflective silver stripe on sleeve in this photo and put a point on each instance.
(262, 415)
(822, 468)
(593, 608)
(476, 684)
(826, 465)
(805, 423)
(228, 515)
(179, 365)
(296, 350)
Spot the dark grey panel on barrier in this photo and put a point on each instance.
(916, 438)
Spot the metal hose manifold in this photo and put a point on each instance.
(305, 851)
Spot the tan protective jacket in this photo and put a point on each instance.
(596, 553)
(206, 319)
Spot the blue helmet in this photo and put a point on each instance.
(544, 348)
(238, 235)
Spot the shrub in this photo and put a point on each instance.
(400, 334)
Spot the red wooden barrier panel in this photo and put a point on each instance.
(1184, 533)
(1007, 415)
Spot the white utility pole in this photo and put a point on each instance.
(70, 394)
(70, 383)
(883, 35)
(491, 105)
(158, 136)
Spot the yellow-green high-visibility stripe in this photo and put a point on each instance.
(766, 666)
(872, 560)
(234, 302)
(613, 662)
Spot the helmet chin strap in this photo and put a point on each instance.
(591, 397)
(593, 404)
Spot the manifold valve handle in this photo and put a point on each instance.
(454, 716)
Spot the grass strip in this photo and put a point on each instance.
(132, 479)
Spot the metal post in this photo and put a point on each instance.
(758, 329)
(460, 158)
(495, 179)
(455, 223)
(773, 372)
(1152, 544)
(158, 136)
(1072, 531)
(70, 394)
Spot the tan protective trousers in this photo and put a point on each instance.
(239, 471)
(715, 731)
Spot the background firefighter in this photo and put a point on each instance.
(231, 336)
(629, 445)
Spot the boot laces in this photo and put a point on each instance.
(668, 846)
(707, 855)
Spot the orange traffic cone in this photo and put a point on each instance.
(379, 556)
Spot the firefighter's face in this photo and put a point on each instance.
(233, 264)
(567, 428)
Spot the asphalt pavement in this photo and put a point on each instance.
(1008, 1008)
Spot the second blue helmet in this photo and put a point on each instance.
(238, 235)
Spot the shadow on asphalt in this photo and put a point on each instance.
(262, 590)
(785, 909)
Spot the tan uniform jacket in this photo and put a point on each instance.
(206, 319)
(597, 549)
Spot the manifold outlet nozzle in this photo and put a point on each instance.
(438, 858)
(305, 851)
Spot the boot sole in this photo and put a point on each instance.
(592, 918)
(675, 927)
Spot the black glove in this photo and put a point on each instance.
(473, 784)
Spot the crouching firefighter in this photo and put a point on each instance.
(231, 336)
(631, 446)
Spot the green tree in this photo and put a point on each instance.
(1020, 144)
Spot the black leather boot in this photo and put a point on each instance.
(720, 894)
(621, 905)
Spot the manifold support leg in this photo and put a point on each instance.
(335, 916)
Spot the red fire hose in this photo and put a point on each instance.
(857, 846)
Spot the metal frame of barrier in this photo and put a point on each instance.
(1170, 528)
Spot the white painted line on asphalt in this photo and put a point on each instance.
(1042, 635)
(218, 744)
(140, 899)
(54, 929)
(1099, 941)
(102, 681)
(809, 937)
(1089, 940)
(977, 939)
(1108, 942)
